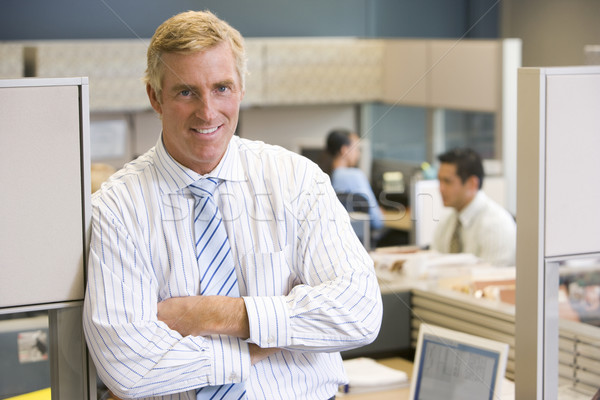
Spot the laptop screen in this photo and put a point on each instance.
(454, 365)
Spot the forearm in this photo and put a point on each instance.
(136, 355)
(331, 317)
(335, 303)
(140, 357)
(205, 315)
(144, 358)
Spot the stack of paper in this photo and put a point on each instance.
(366, 375)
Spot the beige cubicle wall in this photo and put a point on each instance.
(114, 68)
(487, 319)
(321, 70)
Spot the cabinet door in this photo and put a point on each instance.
(466, 75)
(405, 72)
(322, 71)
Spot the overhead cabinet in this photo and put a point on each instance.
(441, 73)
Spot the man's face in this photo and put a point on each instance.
(454, 193)
(353, 152)
(199, 105)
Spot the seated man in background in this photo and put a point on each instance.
(478, 225)
(343, 146)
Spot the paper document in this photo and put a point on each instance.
(365, 375)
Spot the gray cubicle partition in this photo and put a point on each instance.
(557, 204)
(44, 218)
(394, 336)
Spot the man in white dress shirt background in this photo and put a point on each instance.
(477, 224)
(307, 286)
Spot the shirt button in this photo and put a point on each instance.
(233, 377)
(270, 340)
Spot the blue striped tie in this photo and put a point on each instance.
(217, 271)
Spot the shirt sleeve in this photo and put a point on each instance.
(337, 306)
(135, 354)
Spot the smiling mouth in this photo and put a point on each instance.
(206, 131)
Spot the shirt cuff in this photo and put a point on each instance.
(231, 360)
(269, 321)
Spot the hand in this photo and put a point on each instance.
(205, 315)
(179, 314)
(258, 353)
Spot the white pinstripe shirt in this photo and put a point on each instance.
(308, 284)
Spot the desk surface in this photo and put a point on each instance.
(395, 394)
(400, 220)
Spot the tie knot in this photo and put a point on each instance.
(204, 187)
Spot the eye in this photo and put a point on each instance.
(186, 93)
(222, 89)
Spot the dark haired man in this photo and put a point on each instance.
(478, 225)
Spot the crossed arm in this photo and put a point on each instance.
(337, 306)
(206, 315)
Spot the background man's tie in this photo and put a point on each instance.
(456, 239)
(217, 271)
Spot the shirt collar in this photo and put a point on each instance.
(467, 215)
(173, 176)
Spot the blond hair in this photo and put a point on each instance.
(191, 32)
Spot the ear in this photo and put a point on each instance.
(154, 100)
(472, 183)
(344, 149)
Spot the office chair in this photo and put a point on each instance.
(357, 206)
(354, 202)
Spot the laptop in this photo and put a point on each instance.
(454, 365)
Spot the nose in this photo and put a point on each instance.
(205, 109)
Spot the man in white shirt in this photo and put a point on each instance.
(478, 225)
(307, 287)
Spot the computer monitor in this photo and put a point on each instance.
(427, 210)
(391, 181)
(454, 365)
